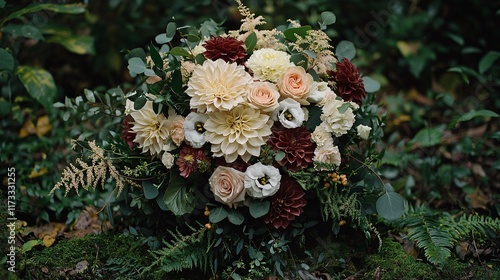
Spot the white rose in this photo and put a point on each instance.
(328, 154)
(262, 180)
(289, 113)
(363, 131)
(167, 159)
(227, 185)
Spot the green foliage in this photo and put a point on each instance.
(436, 232)
(183, 252)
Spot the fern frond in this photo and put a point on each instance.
(91, 174)
(183, 252)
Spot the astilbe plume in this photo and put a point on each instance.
(348, 81)
(286, 204)
(297, 145)
(228, 49)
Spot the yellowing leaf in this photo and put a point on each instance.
(48, 240)
(407, 48)
(27, 129)
(43, 126)
(38, 173)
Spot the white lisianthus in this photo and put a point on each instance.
(363, 131)
(167, 159)
(321, 137)
(318, 92)
(262, 180)
(289, 113)
(328, 154)
(194, 131)
(268, 64)
(335, 121)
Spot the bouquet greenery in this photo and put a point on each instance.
(238, 144)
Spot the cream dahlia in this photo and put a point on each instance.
(217, 86)
(241, 131)
(152, 130)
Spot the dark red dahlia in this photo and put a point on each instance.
(238, 164)
(349, 83)
(227, 48)
(297, 145)
(127, 134)
(286, 204)
(192, 160)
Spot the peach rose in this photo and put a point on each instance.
(228, 186)
(263, 96)
(295, 83)
(177, 130)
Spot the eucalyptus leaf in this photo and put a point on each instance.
(258, 208)
(370, 84)
(345, 49)
(136, 65)
(150, 190)
(217, 214)
(235, 217)
(390, 206)
(328, 18)
(487, 61)
(24, 30)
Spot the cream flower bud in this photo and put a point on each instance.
(167, 159)
(363, 131)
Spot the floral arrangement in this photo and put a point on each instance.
(245, 130)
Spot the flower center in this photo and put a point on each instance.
(264, 180)
(289, 116)
(199, 127)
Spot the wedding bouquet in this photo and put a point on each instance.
(249, 130)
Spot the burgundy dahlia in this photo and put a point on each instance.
(286, 204)
(127, 134)
(297, 145)
(227, 48)
(191, 160)
(349, 83)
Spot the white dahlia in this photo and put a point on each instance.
(217, 86)
(241, 131)
(268, 64)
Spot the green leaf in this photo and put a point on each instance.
(487, 61)
(250, 42)
(150, 190)
(292, 33)
(345, 49)
(474, 114)
(279, 156)
(328, 18)
(177, 198)
(136, 66)
(370, 84)
(155, 56)
(217, 214)
(6, 60)
(390, 205)
(171, 29)
(62, 9)
(235, 217)
(140, 102)
(75, 44)
(342, 108)
(258, 208)
(179, 51)
(24, 30)
(31, 244)
(89, 95)
(39, 84)
(429, 136)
